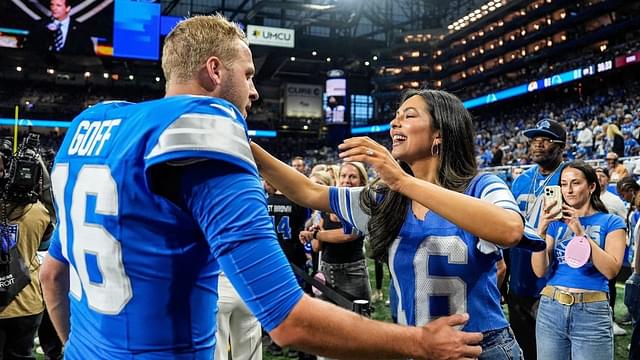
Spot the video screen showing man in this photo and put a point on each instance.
(58, 26)
(60, 33)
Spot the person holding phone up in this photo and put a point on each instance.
(585, 248)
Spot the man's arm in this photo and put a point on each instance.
(54, 278)
(319, 327)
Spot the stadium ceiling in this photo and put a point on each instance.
(362, 19)
(349, 32)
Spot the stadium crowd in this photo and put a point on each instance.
(427, 194)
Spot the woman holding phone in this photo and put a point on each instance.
(585, 248)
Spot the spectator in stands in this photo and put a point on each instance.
(60, 33)
(496, 155)
(585, 138)
(617, 170)
(299, 164)
(318, 167)
(546, 147)
(631, 145)
(616, 139)
(433, 138)
(613, 202)
(199, 210)
(574, 318)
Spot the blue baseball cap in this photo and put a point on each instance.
(547, 128)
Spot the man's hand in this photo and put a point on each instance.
(442, 341)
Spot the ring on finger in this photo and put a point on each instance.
(369, 152)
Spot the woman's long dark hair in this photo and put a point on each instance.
(592, 178)
(457, 168)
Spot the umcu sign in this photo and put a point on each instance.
(270, 36)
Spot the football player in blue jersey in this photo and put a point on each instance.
(574, 319)
(546, 145)
(441, 229)
(155, 199)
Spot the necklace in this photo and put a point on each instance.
(536, 190)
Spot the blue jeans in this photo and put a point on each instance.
(579, 331)
(632, 300)
(500, 345)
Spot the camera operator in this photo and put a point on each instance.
(24, 225)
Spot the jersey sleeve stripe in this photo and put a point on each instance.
(206, 133)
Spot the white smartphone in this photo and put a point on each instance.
(552, 193)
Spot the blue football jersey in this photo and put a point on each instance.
(597, 226)
(143, 270)
(527, 190)
(438, 268)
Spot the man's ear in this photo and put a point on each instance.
(210, 75)
(214, 67)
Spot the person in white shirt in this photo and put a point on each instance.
(613, 202)
(585, 138)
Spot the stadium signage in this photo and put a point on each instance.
(627, 59)
(303, 100)
(270, 36)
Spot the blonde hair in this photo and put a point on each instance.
(324, 176)
(613, 130)
(194, 40)
(362, 171)
(334, 170)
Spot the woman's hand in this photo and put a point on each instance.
(549, 213)
(305, 236)
(368, 151)
(570, 217)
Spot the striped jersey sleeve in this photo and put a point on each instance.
(492, 189)
(345, 203)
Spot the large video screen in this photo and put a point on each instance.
(335, 102)
(122, 28)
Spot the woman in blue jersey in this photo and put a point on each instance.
(439, 230)
(574, 317)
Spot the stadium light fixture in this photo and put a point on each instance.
(314, 53)
(87, 74)
(366, 63)
(305, 127)
(491, 8)
(484, 7)
(375, 57)
(105, 75)
(450, 27)
(293, 58)
(51, 71)
(157, 78)
(131, 77)
(18, 68)
(328, 59)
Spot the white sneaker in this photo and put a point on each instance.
(618, 331)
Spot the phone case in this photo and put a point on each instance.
(552, 193)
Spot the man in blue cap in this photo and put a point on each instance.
(546, 146)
